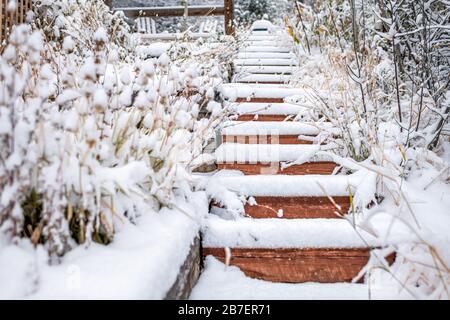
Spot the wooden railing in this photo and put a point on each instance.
(8, 19)
(226, 10)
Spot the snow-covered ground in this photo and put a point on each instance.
(142, 262)
(219, 282)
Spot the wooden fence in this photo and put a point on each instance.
(226, 10)
(8, 19)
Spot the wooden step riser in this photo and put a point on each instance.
(282, 139)
(322, 168)
(261, 82)
(264, 117)
(298, 207)
(297, 265)
(261, 100)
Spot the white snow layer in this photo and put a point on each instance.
(284, 233)
(219, 282)
(269, 153)
(289, 186)
(142, 262)
(232, 91)
(264, 61)
(267, 108)
(261, 127)
(266, 69)
(265, 55)
(263, 78)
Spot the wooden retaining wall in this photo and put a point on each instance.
(188, 274)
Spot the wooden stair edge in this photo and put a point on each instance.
(297, 265)
(260, 100)
(267, 139)
(296, 207)
(319, 168)
(263, 117)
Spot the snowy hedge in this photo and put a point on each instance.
(91, 132)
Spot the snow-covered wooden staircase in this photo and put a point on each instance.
(294, 231)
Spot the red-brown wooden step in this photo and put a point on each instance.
(323, 168)
(264, 117)
(298, 207)
(297, 265)
(282, 139)
(261, 100)
(261, 82)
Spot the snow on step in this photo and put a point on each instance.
(264, 61)
(257, 37)
(290, 186)
(236, 128)
(268, 43)
(261, 33)
(265, 55)
(267, 108)
(233, 91)
(266, 49)
(219, 282)
(266, 69)
(282, 233)
(267, 78)
(268, 153)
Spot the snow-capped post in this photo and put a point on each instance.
(229, 17)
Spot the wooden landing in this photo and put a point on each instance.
(323, 168)
(297, 265)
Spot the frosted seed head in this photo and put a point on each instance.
(163, 60)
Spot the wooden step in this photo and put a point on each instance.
(265, 55)
(297, 207)
(269, 48)
(324, 265)
(270, 132)
(268, 207)
(322, 168)
(263, 117)
(266, 69)
(263, 78)
(261, 93)
(265, 61)
(261, 100)
(282, 139)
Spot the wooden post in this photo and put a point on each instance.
(229, 17)
(2, 31)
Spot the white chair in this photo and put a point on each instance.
(146, 25)
(208, 26)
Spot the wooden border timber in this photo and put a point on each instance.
(226, 10)
(188, 274)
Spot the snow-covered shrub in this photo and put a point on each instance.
(248, 11)
(89, 140)
(368, 78)
(69, 24)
